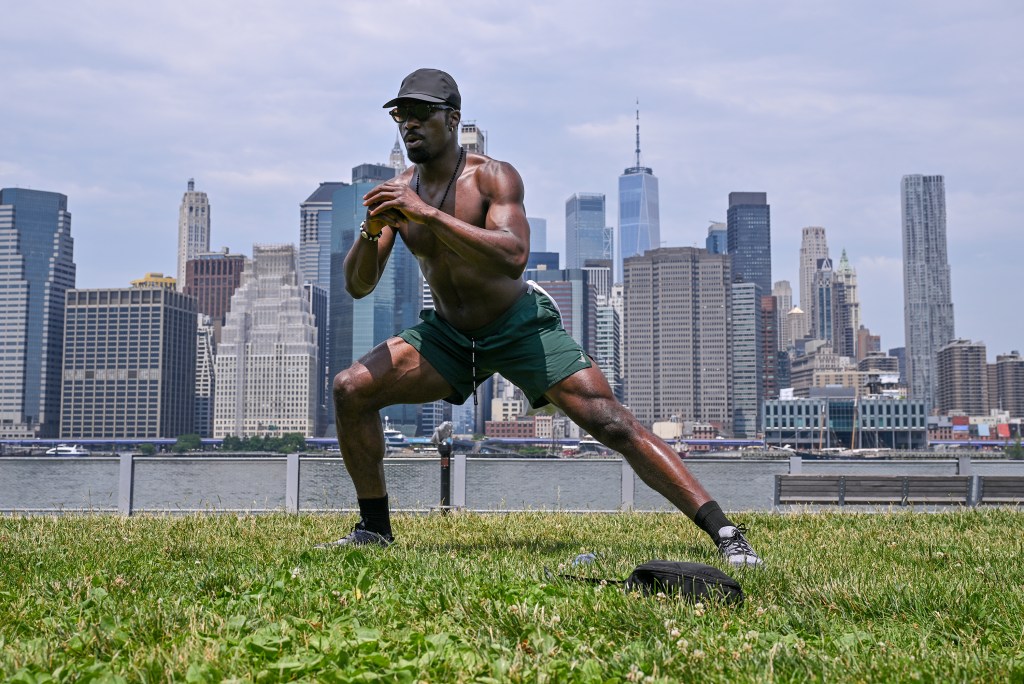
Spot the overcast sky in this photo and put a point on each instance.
(823, 105)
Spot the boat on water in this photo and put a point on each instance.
(67, 450)
(394, 440)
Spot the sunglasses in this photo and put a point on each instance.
(419, 111)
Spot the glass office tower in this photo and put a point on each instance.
(37, 268)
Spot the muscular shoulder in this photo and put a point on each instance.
(497, 180)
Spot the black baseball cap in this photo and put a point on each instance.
(429, 85)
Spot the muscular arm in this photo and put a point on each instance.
(501, 245)
(366, 260)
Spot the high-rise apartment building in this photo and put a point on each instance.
(267, 361)
(212, 277)
(962, 383)
(37, 268)
(1006, 391)
(315, 235)
(639, 217)
(193, 228)
(129, 364)
(750, 239)
(813, 248)
(927, 294)
(587, 235)
(678, 320)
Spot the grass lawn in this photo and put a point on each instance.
(463, 598)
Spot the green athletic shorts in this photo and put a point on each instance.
(527, 345)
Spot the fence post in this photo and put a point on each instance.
(291, 484)
(628, 487)
(459, 481)
(126, 483)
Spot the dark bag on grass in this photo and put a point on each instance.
(691, 581)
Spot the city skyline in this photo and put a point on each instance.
(823, 108)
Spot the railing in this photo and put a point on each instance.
(129, 483)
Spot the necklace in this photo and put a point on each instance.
(462, 153)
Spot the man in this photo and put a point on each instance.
(462, 216)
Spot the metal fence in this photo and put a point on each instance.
(129, 483)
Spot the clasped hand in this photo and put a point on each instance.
(392, 204)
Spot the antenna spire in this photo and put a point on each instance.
(638, 132)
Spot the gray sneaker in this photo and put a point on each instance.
(735, 548)
(359, 536)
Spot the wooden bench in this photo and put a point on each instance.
(841, 490)
(1000, 489)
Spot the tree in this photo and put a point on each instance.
(147, 449)
(191, 442)
(1015, 450)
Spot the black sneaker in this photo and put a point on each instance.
(735, 548)
(360, 536)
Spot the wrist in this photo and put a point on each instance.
(364, 234)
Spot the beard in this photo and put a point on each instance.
(418, 155)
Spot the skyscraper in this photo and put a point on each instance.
(848, 311)
(587, 235)
(37, 268)
(129, 364)
(315, 235)
(212, 278)
(962, 378)
(1006, 389)
(678, 320)
(750, 239)
(357, 325)
(575, 295)
(267, 361)
(193, 228)
(747, 367)
(813, 248)
(396, 159)
(717, 241)
(538, 234)
(823, 304)
(783, 294)
(206, 382)
(639, 222)
(927, 294)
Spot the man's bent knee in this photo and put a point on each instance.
(350, 393)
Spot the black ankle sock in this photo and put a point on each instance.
(710, 518)
(376, 515)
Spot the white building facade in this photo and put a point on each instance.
(267, 360)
